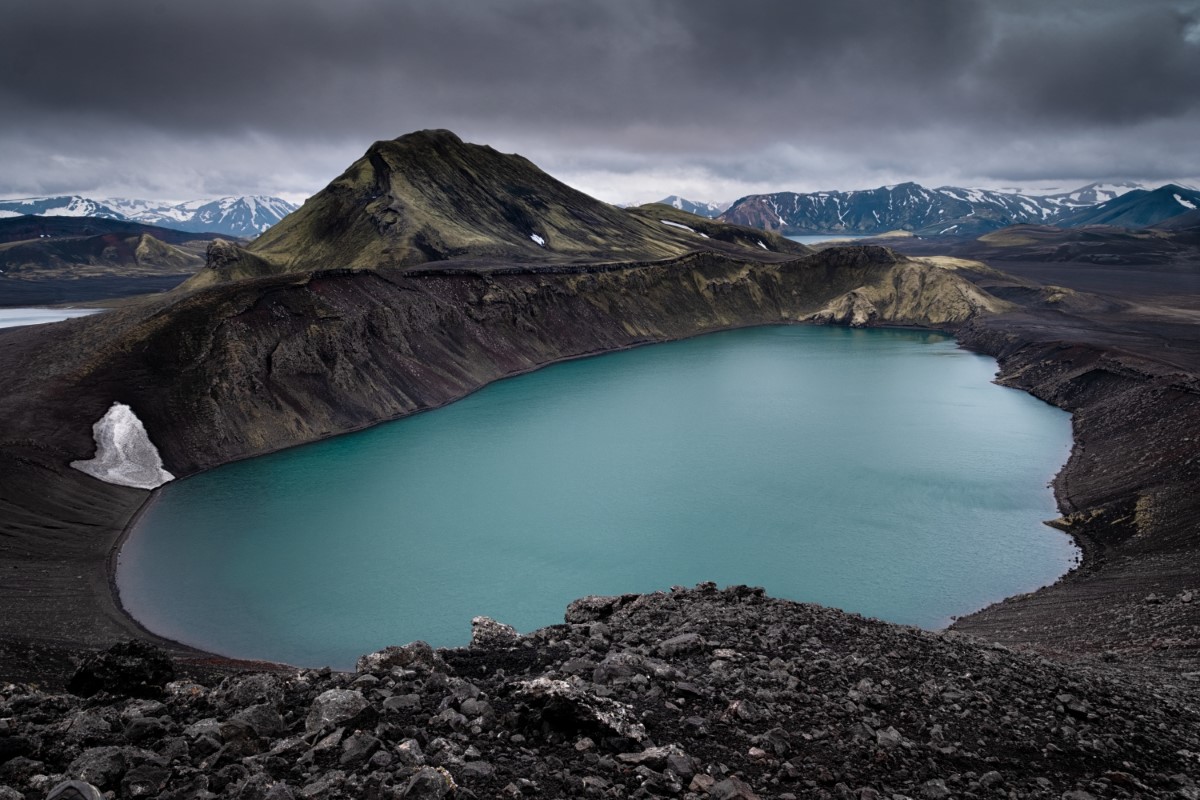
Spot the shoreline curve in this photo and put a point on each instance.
(1117, 496)
(949, 620)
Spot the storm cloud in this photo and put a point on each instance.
(627, 99)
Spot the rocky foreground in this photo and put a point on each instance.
(698, 693)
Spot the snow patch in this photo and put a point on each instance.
(1185, 203)
(763, 246)
(125, 456)
(541, 242)
(692, 230)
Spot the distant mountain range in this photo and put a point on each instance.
(242, 217)
(700, 209)
(951, 210)
(947, 210)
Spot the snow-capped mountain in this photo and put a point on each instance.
(700, 209)
(1092, 194)
(149, 212)
(910, 206)
(59, 206)
(244, 217)
(251, 214)
(1137, 209)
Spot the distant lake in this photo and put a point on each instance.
(15, 317)
(878, 471)
(819, 238)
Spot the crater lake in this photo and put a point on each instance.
(877, 471)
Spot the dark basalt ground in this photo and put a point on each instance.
(693, 693)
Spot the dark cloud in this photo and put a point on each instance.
(622, 97)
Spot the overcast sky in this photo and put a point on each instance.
(629, 100)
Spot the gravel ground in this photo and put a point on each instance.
(694, 693)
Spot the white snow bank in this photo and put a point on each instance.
(124, 453)
(540, 241)
(14, 317)
(1185, 203)
(677, 225)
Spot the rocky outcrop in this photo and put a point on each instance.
(224, 262)
(768, 699)
(913, 292)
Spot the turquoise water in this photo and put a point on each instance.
(877, 471)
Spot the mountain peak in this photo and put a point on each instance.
(431, 142)
(430, 196)
(430, 136)
(697, 207)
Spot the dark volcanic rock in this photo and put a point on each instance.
(335, 707)
(695, 694)
(487, 632)
(135, 669)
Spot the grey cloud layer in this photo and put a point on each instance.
(759, 92)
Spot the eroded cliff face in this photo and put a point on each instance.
(243, 369)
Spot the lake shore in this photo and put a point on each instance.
(1129, 403)
(735, 457)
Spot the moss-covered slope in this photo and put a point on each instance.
(133, 255)
(429, 196)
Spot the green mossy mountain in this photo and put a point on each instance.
(111, 254)
(713, 231)
(67, 250)
(428, 196)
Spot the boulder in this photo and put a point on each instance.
(334, 707)
(132, 669)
